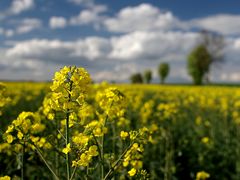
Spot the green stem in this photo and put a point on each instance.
(74, 171)
(114, 136)
(23, 162)
(168, 156)
(45, 161)
(116, 163)
(56, 153)
(102, 149)
(67, 141)
(99, 150)
(113, 140)
(68, 135)
(87, 173)
(102, 153)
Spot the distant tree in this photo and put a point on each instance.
(147, 76)
(163, 71)
(214, 43)
(198, 64)
(136, 78)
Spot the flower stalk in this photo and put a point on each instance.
(23, 162)
(68, 135)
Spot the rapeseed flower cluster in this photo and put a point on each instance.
(26, 129)
(112, 102)
(167, 110)
(70, 86)
(86, 157)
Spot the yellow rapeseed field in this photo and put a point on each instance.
(73, 129)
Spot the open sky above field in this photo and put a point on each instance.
(113, 39)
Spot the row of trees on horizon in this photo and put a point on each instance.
(207, 53)
(146, 77)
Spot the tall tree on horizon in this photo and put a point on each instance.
(163, 71)
(198, 64)
(147, 76)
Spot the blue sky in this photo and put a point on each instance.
(113, 39)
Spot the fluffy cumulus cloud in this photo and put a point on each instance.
(148, 17)
(141, 17)
(92, 48)
(119, 55)
(57, 22)
(92, 15)
(134, 46)
(223, 23)
(57, 51)
(152, 45)
(18, 6)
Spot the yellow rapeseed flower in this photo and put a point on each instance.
(205, 140)
(202, 175)
(125, 163)
(20, 135)
(5, 178)
(123, 135)
(67, 149)
(132, 172)
(9, 138)
(93, 151)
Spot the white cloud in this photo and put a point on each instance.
(116, 57)
(6, 32)
(146, 17)
(133, 46)
(28, 24)
(152, 45)
(36, 48)
(19, 6)
(84, 17)
(232, 77)
(9, 33)
(24, 26)
(57, 22)
(141, 17)
(92, 15)
(58, 51)
(83, 2)
(223, 23)
(91, 48)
